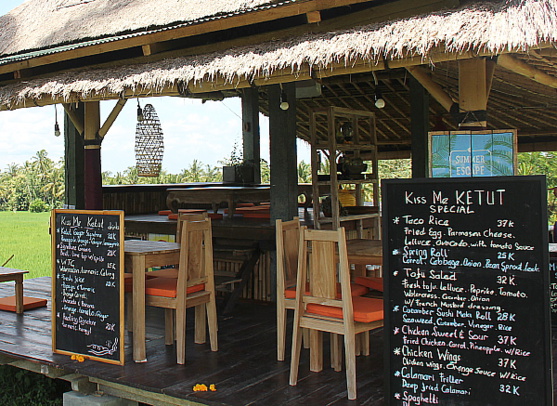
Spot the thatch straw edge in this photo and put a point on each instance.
(491, 28)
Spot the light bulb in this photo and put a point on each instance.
(380, 103)
(284, 105)
(56, 130)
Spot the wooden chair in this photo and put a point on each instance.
(194, 287)
(318, 307)
(288, 242)
(172, 272)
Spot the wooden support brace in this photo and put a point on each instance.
(435, 90)
(112, 117)
(74, 118)
(522, 68)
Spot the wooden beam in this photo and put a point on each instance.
(419, 127)
(490, 72)
(76, 119)
(522, 68)
(472, 88)
(313, 17)
(434, 89)
(112, 117)
(92, 157)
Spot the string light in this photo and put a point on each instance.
(379, 101)
(56, 126)
(139, 112)
(283, 100)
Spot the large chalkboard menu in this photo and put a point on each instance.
(466, 299)
(87, 288)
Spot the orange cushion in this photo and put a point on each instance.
(164, 212)
(357, 290)
(8, 303)
(167, 287)
(128, 281)
(370, 282)
(366, 309)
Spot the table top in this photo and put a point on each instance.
(11, 271)
(142, 247)
(364, 247)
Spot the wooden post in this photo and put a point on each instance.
(283, 155)
(92, 157)
(250, 131)
(473, 86)
(73, 163)
(419, 127)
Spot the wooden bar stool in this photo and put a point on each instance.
(17, 303)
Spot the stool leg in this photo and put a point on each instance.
(19, 294)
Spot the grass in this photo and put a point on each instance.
(25, 235)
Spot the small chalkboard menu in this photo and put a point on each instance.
(466, 300)
(87, 288)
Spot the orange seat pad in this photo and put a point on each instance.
(357, 290)
(167, 287)
(8, 303)
(366, 309)
(370, 282)
(128, 281)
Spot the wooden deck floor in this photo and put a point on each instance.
(244, 370)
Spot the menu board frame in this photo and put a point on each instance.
(115, 225)
(412, 198)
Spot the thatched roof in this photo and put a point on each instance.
(479, 28)
(40, 24)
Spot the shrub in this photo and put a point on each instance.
(38, 206)
(20, 387)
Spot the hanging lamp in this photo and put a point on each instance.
(149, 145)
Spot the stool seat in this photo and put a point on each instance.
(8, 303)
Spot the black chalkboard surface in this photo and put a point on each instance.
(87, 288)
(467, 304)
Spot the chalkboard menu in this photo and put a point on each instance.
(466, 299)
(87, 288)
(553, 283)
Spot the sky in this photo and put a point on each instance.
(192, 130)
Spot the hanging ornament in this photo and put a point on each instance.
(149, 144)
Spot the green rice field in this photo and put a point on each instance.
(25, 236)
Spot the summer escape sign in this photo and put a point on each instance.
(87, 289)
(458, 154)
(466, 300)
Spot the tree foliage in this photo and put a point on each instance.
(38, 179)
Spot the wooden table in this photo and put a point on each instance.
(364, 252)
(216, 195)
(140, 255)
(16, 275)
